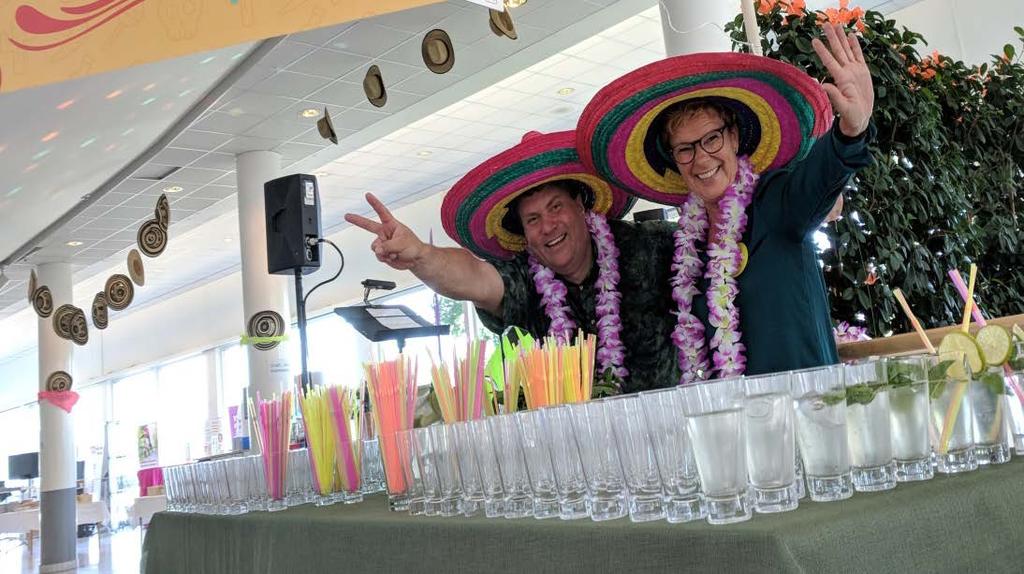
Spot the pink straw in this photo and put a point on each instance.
(344, 444)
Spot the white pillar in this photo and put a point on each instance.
(691, 26)
(57, 525)
(261, 291)
(215, 429)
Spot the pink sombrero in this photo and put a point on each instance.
(780, 110)
(474, 211)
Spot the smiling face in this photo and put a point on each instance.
(556, 231)
(706, 174)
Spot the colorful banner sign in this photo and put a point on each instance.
(47, 41)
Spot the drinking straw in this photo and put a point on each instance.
(392, 386)
(913, 320)
(961, 288)
(274, 436)
(343, 408)
(316, 421)
(969, 301)
(442, 385)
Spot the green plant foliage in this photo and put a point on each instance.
(946, 184)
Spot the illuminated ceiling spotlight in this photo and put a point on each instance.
(173, 189)
(514, 3)
(373, 87)
(326, 128)
(438, 53)
(74, 243)
(309, 113)
(502, 25)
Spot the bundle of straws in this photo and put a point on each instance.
(273, 435)
(316, 421)
(552, 373)
(345, 416)
(392, 389)
(465, 399)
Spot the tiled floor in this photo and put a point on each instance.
(116, 553)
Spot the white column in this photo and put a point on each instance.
(261, 291)
(57, 528)
(215, 424)
(691, 26)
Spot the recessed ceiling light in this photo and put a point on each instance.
(566, 91)
(74, 243)
(65, 104)
(424, 152)
(514, 3)
(227, 240)
(49, 136)
(310, 113)
(173, 188)
(321, 173)
(114, 94)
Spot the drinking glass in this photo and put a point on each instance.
(512, 466)
(534, 437)
(908, 416)
(469, 470)
(714, 418)
(568, 467)
(771, 451)
(1015, 401)
(673, 452)
(606, 486)
(237, 485)
(258, 495)
(372, 479)
(486, 456)
(299, 483)
(869, 427)
(639, 465)
(445, 453)
(951, 414)
(411, 499)
(820, 397)
(988, 394)
(424, 449)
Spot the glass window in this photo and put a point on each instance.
(182, 415)
(90, 420)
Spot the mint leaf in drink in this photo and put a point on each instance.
(994, 382)
(833, 398)
(902, 375)
(863, 393)
(937, 376)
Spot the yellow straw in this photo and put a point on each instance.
(970, 300)
(951, 413)
(913, 320)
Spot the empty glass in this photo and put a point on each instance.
(673, 451)
(411, 498)
(535, 439)
(469, 470)
(868, 426)
(258, 494)
(820, 397)
(770, 446)
(512, 466)
(487, 458)
(237, 477)
(424, 449)
(908, 415)
(988, 395)
(445, 453)
(639, 465)
(715, 421)
(299, 483)
(606, 486)
(372, 479)
(952, 414)
(565, 455)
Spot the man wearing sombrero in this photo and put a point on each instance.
(745, 147)
(544, 250)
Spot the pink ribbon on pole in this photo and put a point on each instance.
(61, 399)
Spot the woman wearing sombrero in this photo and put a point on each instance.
(745, 147)
(544, 250)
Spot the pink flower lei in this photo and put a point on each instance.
(611, 353)
(724, 260)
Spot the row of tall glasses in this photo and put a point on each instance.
(718, 450)
(238, 485)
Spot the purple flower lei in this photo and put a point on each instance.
(725, 258)
(611, 353)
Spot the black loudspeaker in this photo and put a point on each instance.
(292, 205)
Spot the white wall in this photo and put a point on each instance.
(968, 30)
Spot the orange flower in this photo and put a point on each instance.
(796, 8)
(861, 26)
(764, 7)
(871, 279)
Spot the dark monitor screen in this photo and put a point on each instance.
(80, 470)
(23, 466)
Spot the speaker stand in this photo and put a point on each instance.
(300, 304)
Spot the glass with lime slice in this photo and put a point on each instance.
(949, 381)
(989, 408)
(1016, 409)
(868, 426)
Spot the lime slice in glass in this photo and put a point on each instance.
(1018, 332)
(957, 344)
(996, 344)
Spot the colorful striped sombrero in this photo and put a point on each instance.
(474, 210)
(780, 112)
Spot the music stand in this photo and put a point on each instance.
(389, 323)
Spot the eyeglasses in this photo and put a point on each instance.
(711, 142)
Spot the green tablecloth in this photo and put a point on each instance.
(967, 523)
